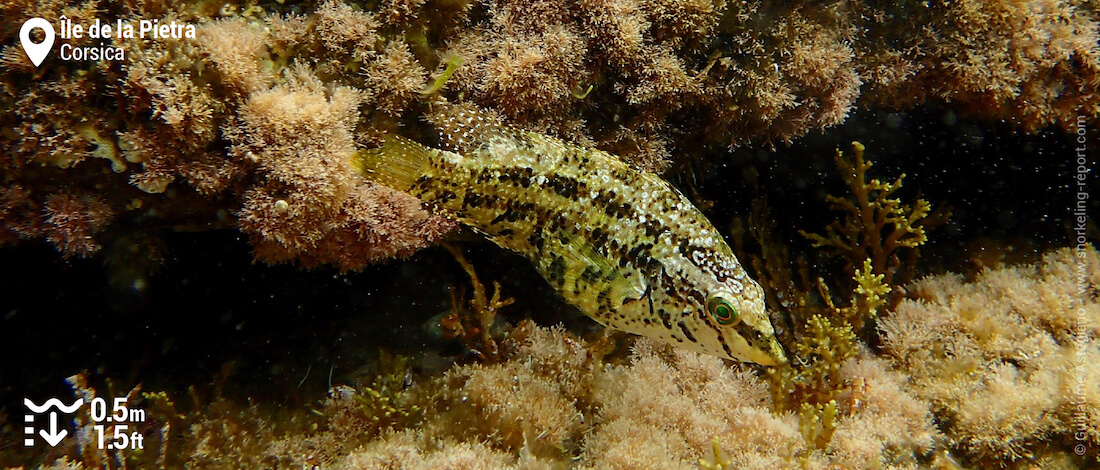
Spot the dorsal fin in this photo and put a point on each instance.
(464, 129)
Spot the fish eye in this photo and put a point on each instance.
(722, 310)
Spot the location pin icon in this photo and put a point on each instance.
(36, 52)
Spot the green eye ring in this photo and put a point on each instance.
(722, 311)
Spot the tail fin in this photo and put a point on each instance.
(397, 164)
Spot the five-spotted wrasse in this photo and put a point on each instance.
(622, 245)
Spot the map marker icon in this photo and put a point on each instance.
(36, 52)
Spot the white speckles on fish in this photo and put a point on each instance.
(622, 245)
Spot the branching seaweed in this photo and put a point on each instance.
(817, 423)
(441, 80)
(867, 297)
(877, 226)
(823, 332)
(814, 378)
(718, 460)
(389, 402)
(473, 326)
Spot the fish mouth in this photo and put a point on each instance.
(777, 352)
(772, 356)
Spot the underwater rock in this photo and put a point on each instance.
(218, 117)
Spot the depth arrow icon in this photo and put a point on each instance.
(55, 435)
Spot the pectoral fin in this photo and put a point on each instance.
(587, 278)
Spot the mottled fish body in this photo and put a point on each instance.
(622, 245)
